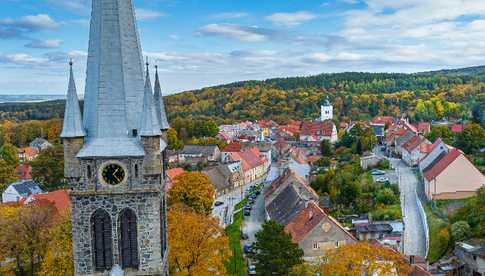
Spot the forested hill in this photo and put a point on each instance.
(432, 95)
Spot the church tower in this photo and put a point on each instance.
(113, 153)
(326, 111)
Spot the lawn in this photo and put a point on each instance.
(387, 212)
(236, 264)
(439, 235)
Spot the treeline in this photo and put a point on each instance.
(32, 111)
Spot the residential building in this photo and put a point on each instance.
(194, 154)
(254, 165)
(400, 140)
(315, 132)
(40, 144)
(27, 154)
(281, 149)
(221, 177)
(19, 191)
(437, 150)
(230, 148)
(23, 172)
(379, 124)
(422, 128)
(412, 152)
(452, 176)
(471, 253)
(316, 232)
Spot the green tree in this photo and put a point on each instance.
(442, 132)
(9, 153)
(48, 168)
(474, 213)
(326, 148)
(460, 230)
(274, 252)
(386, 196)
(173, 141)
(471, 139)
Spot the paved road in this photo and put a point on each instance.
(414, 231)
(253, 223)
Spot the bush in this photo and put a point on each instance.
(384, 164)
(460, 230)
(386, 196)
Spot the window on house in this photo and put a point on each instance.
(128, 242)
(102, 240)
(315, 245)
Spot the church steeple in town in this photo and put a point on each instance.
(159, 104)
(72, 126)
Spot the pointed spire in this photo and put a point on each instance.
(149, 120)
(159, 104)
(73, 126)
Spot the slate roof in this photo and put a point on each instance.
(159, 104)
(205, 150)
(72, 126)
(220, 177)
(39, 143)
(110, 147)
(286, 205)
(374, 228)
(24, 188)
(442, 164)
(149, 125)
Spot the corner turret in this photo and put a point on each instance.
(159, 104)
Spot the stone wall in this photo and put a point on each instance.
(147, 208)
(72, 167)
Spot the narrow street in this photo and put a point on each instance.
(253, 223)
(414, 232)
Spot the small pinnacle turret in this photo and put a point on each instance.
(159, 104)
(73, 126)
(149, 119)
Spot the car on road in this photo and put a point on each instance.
(247, 213)
(247, 248)
(377, 172)
(218, 203)
(247, 207)
(251, 270)
(382, 179)
(244, 236)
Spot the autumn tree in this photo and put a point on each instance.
(9, 154)
(48, 168)
(442, 132)
(7, 175)
(58, 259)
(195, 190)
(471, 139)
(364, 259)
(326, 148)
(198, 245)
(274, 252)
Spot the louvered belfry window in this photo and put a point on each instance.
(128, 242)
(102, 240)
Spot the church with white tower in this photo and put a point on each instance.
(326, 111)
(114, 151)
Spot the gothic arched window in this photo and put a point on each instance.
(128, 241)
(102, 240)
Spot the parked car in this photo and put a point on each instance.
(382, 179)
(247, 207)
(218, 203)
(247, 248)
(247, 213)
(244, 236)
(377, 172)
(251, 270)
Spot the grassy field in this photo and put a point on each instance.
(439, 235)
(387, 212)
(236, 264)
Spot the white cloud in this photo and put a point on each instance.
(144, 14)
(229, 15)
(242, 33)
(23, 26)
(290, 19)
(44, 44)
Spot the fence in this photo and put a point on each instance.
(424, 221)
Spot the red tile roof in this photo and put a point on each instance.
(250, 158)
(28, 151)
(412, 143)
(383, 120)
(442, 164)
(324, 128)
(457, 128)
(172, 173)
(233, 147)
(425, 148)
(59, 198)
(422, 127)
(23, 172)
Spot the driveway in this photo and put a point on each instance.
(254, 222)
(414, 231)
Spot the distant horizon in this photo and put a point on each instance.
(199, 44)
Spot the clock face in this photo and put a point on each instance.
(113, 174)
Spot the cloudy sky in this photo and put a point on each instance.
(199, 43)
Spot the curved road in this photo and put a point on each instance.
(414, 229)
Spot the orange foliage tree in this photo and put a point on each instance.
(198, 245)
(364, 258)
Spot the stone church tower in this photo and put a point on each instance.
(113, 153)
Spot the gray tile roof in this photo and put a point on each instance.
(112, 147)
(220, 177)
(72, 126)
(286, 205)
(149, 120)
(159, 104)
(205, 150)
